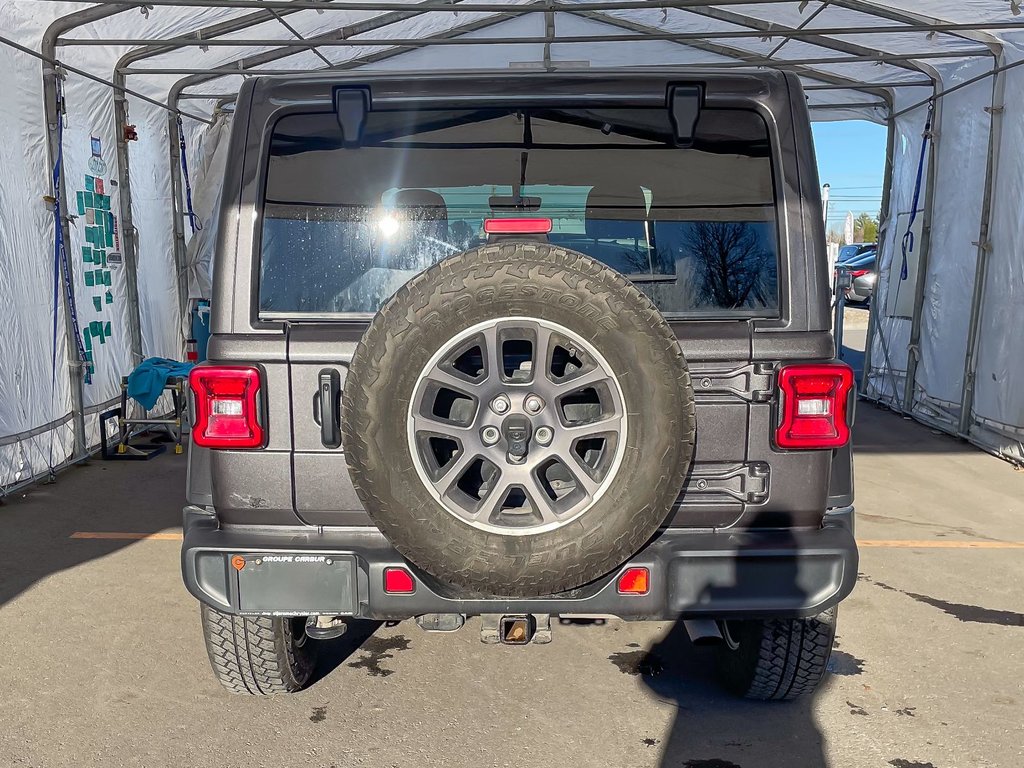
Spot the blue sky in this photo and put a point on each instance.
(851, 157)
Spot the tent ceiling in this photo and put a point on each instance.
(852, 51)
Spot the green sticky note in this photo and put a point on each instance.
(86, 254)
(104, 202)
(90, 279)
(97, 301)
(106, 328)
(101, 258)
(110, 238)
(97, 276)
(103, 339)
(96, 327)
(87, 338)
(106, 277)
(90, 183)
(109, 298)
(80, 197)
(110, 221)
(88, 199)
(88, 356)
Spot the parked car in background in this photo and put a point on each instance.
(859, 259)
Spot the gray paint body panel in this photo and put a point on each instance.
(738, 478)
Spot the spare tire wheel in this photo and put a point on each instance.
(518, 420)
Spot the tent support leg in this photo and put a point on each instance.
(129, 244)
(984, 248)
(48, 49)
(178, 213)
(927, 215)
(890, 162)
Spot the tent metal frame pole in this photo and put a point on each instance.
(927, 24)
(180, 246)
(439, 5)
(239, 66)
(311, 43)
(747, 58)
(911, 18)
(890, 164)
(890, 84)
(177, 201)
(424, 43)
(997, 70)
(984, 246)
(51, 75)
(818, 37)
(923, 259)
(175, 93)
(129, 241)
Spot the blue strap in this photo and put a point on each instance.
(908, 236)
(193, 219)
(61, 267)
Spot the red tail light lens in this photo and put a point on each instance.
(814, 406)
(517, 226)
(634, 581)
(227, 414)
(859, 272)
(398, 581)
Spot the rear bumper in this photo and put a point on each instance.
(722, 574)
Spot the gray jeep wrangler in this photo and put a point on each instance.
(521, 346)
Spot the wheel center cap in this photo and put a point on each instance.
(517, 431)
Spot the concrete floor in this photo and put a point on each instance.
(103, 663)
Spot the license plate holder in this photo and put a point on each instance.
(295, 583)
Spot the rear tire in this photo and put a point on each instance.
(258, 655)
(776, 659)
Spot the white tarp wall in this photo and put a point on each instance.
(960, 150)
(37, 399)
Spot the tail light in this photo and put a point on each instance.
(859, 272)
(227, 411)
(517, 226)
(814, 406)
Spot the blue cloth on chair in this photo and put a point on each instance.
(146, 383)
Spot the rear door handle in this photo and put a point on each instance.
(327, 407)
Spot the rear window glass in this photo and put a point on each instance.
(694, 229)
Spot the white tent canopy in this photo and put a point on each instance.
(946, 339)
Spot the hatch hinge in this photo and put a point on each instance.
(754, 382)
(745, 482)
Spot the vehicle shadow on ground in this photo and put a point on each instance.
(714, 729)
(360, 636)
(37, 523)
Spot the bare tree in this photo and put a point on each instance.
(731, 260)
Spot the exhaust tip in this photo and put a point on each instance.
(703, 631)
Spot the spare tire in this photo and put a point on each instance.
(518, 420)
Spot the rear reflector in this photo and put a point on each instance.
(814, 406)
(634, 581)
(398, 581)
(227, 411)
(517, 226)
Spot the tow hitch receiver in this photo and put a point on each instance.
(516, 629)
